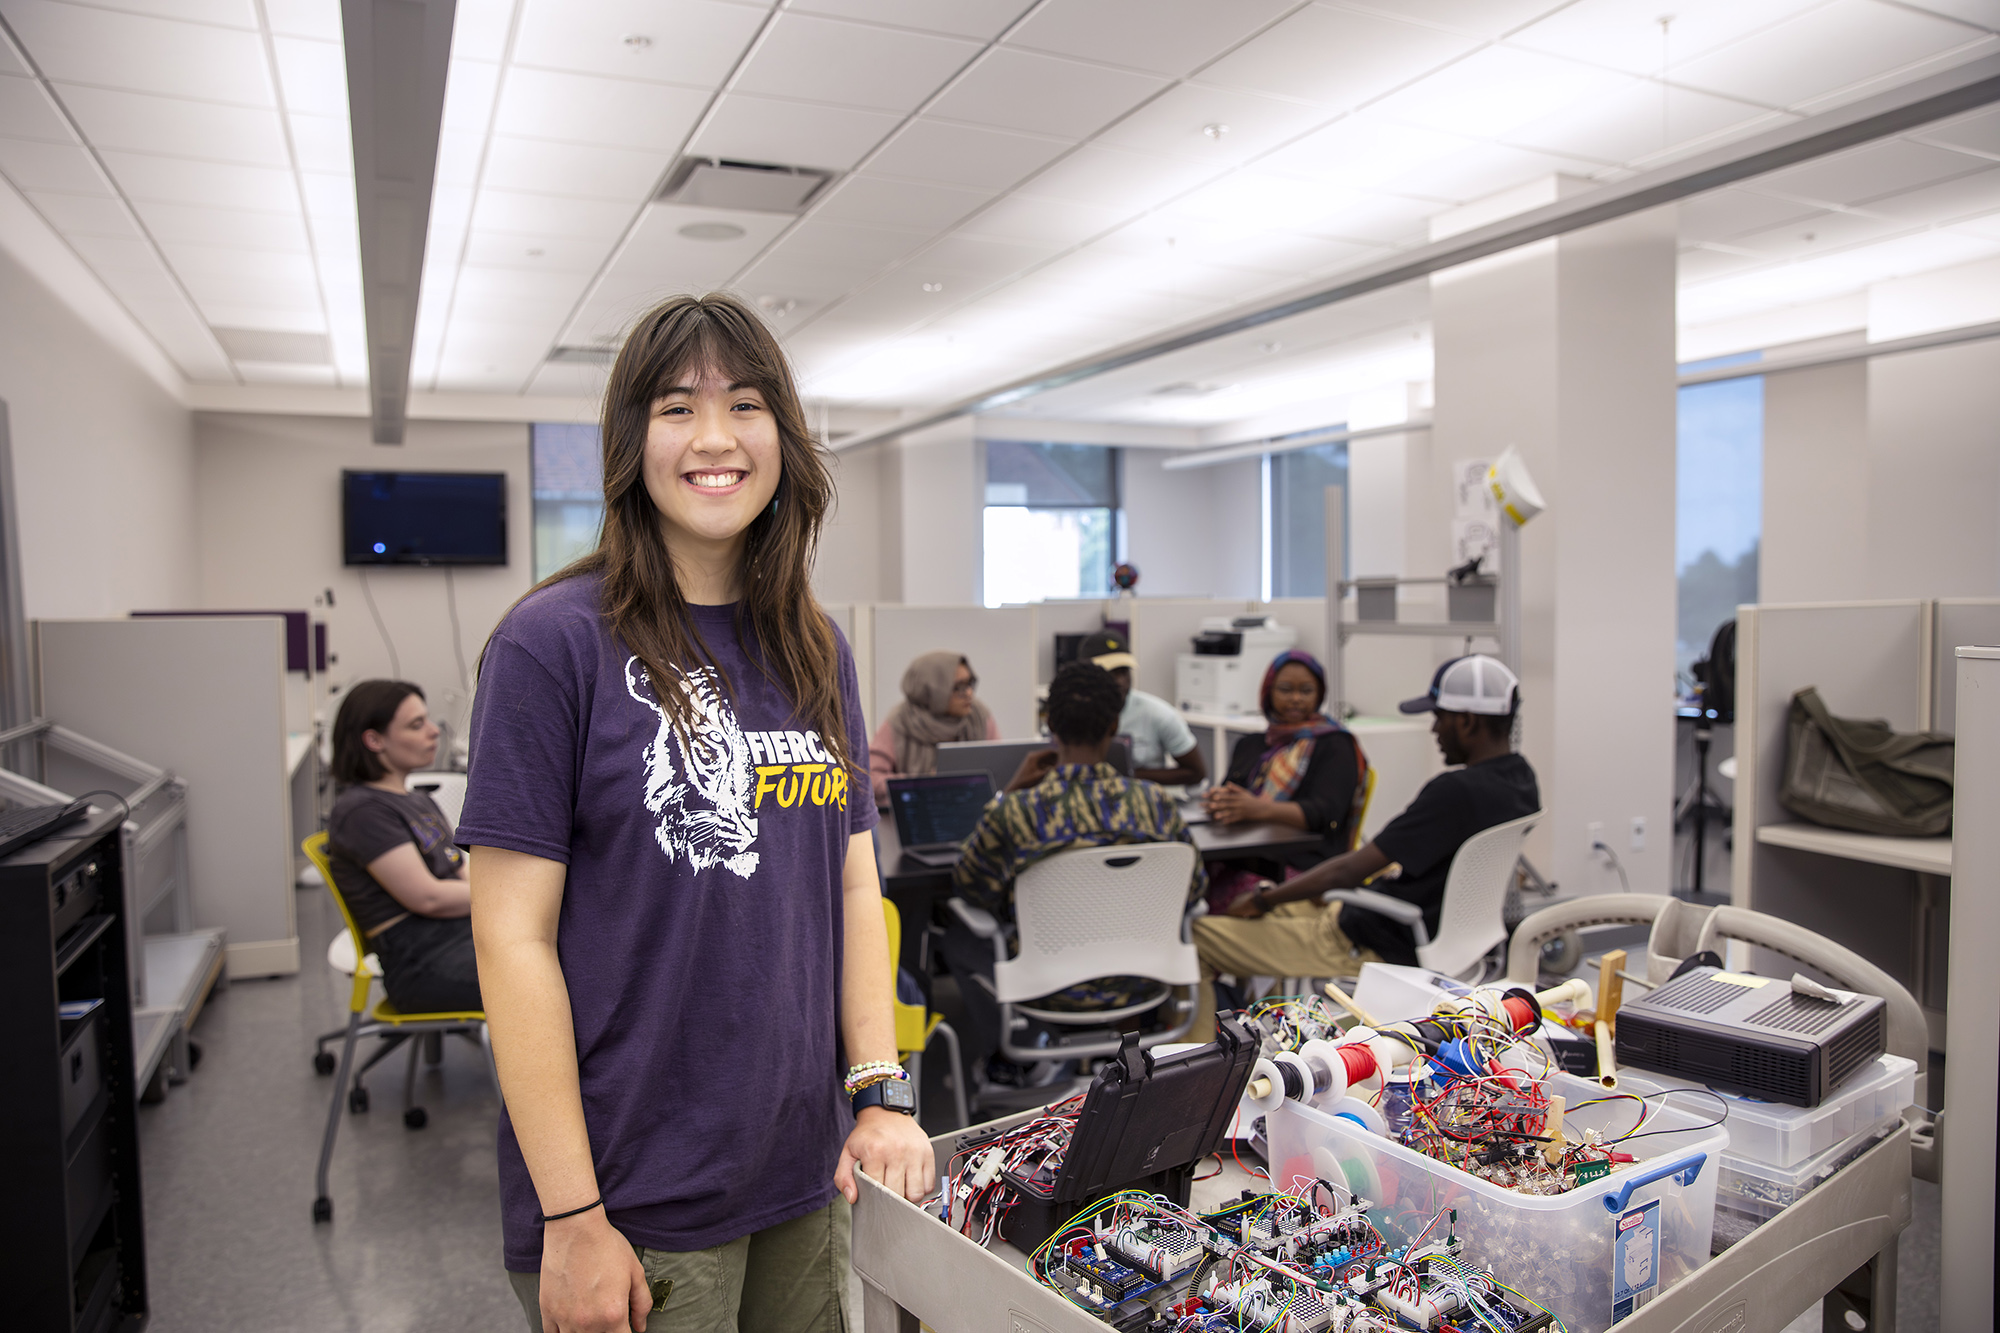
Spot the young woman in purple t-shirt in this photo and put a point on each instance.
(674, 897)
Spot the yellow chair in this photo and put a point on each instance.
(916, 1025)
(385, 1020)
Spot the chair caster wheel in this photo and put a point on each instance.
(1561, 954)
(357, 1100)
(322, 1210)
(416, 1118)
(323, 1062)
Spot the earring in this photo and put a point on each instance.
(773, 510)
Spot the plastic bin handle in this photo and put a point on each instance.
(1687, 1168)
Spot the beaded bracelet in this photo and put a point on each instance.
(862, 1076)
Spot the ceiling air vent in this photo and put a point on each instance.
(755, 187)
(273, 346)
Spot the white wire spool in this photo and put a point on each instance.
(1274, 1086)
(1329, 1070)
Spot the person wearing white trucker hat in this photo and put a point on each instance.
(1473, 701)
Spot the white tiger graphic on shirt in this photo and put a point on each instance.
(704, 806)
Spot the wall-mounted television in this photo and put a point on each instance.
(423, 518)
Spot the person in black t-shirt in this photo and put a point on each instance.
(392, 854)
(1281, 930)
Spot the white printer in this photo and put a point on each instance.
(1228, 663)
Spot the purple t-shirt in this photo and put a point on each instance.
(700, 933)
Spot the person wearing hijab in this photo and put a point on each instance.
(938, 705)
(1304, 770)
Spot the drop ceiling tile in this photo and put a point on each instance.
(1822, 51)
(84, 214)
(1114, 178)
(469, 89)
(9, 65)
(657, 260)
(1978, 132)
(117, 254)
(852, 64)
(479, 29)
(178, 127)
(26, 114)
(76, 44)
(578, 170)
(216, 184)
(547, 214)
(962, 262)
(479, 305)
(1721, 215)
(1058, 222)
(1336, 57)
(322, 143)
(1486, 169)
(690, 42)
(575, 108)
(257, 313)
(459, 154)
(1967, 196)
(50, 166)
(1979, 13)
(793, 278)
(1171, 37)
(848, 248)
(875, 199)
(222, 13)
(517, 284)
(569, 381)
(1482, 18)
(254, 372)
(1865, 173)
(1022, 90)
(200, 263)
(317, 19)
(1821, 234)
(556, 254)
(1637, 122)
(218, 291)
(1246, 204)
(1494, 91)
(962, 18)
(929, 150)
(1626, 36)
(195, 225)
(1363, 153)
(1382, 219)
(1177, 124)
(328, 196)
(764, 129)
(314, 75)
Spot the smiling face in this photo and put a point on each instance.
(712, 461)
(1294, 695)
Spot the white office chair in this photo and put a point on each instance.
(1472, 921)
(1093, 912)
(446, 788)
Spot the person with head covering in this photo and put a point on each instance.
(939, 705)
(1304, 769)
(1163, 748)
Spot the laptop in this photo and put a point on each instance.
(1001, 760)
(934, 814)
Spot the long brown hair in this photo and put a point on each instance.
(642, 600)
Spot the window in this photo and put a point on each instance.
(1295, 518)
(1051, 520)
(1719, 508)
(568, 470)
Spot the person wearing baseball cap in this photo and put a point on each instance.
(1282, 930)
(1163, 748)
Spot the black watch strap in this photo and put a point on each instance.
(894, 1094)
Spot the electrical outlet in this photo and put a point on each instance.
(1638, 833)
(1596, 831)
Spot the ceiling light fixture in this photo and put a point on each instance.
(779, 306)
(933, 286)
(1268, 348)
(1216, 130)
(712, 231)
(636, 41)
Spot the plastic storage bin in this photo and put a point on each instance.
(1758, 1191)
(1774, 1135)
(1561, 1250)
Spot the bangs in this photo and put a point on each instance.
(702, 343)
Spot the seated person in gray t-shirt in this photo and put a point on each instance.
(392, 855)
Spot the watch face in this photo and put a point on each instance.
(898, 1095)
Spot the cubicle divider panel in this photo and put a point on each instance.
(997, 641)
(1307, 615)
(1083, 616)
(1958, 622)
(1163, 628)
(205, 698)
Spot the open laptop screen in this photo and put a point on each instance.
(938, 809)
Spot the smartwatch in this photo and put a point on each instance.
(894, 1094)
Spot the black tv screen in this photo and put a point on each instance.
(423, 518)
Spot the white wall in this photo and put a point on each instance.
(1934, 473)
(103, 464)
(268, 496)
(1195, 532)
(940, 497)
(849, 568)
(1814, 546)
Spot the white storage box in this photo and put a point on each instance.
(1774, 1135)
(1759, 1192)
(1565, 1250)
(1395, 993)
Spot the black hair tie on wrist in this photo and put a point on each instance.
(541, 1219)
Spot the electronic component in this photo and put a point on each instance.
(1754, 1036)
(1163, 1249)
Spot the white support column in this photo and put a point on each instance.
(1565, 350)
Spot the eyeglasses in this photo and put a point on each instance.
(966, 686)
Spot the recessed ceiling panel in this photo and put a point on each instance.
(792, 134)
(582, 170)
(314, 75)
(1059, 222)
(1721, 215)
(304, 18)
(1951, 202)
(1824, 51)
(550, 215)
(690, 42)
(1217, 127)
(1482, 18)
(557, 254)
(1337, 58)
(25, 112)
(1171, 37)
(173, 180)
(852, 64)
(1642, 121)
(887, 202)
(1023, 90)
(577, 108)
(1627, 36)
(1865, 173)
(84, 214)
(74, 43)
(1497, 90)
(962, 18)
(659, 260)
(322, 143)
(930, 150)
(32, 165)
(178, 127)
(1114, 178)
(1978, 133)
